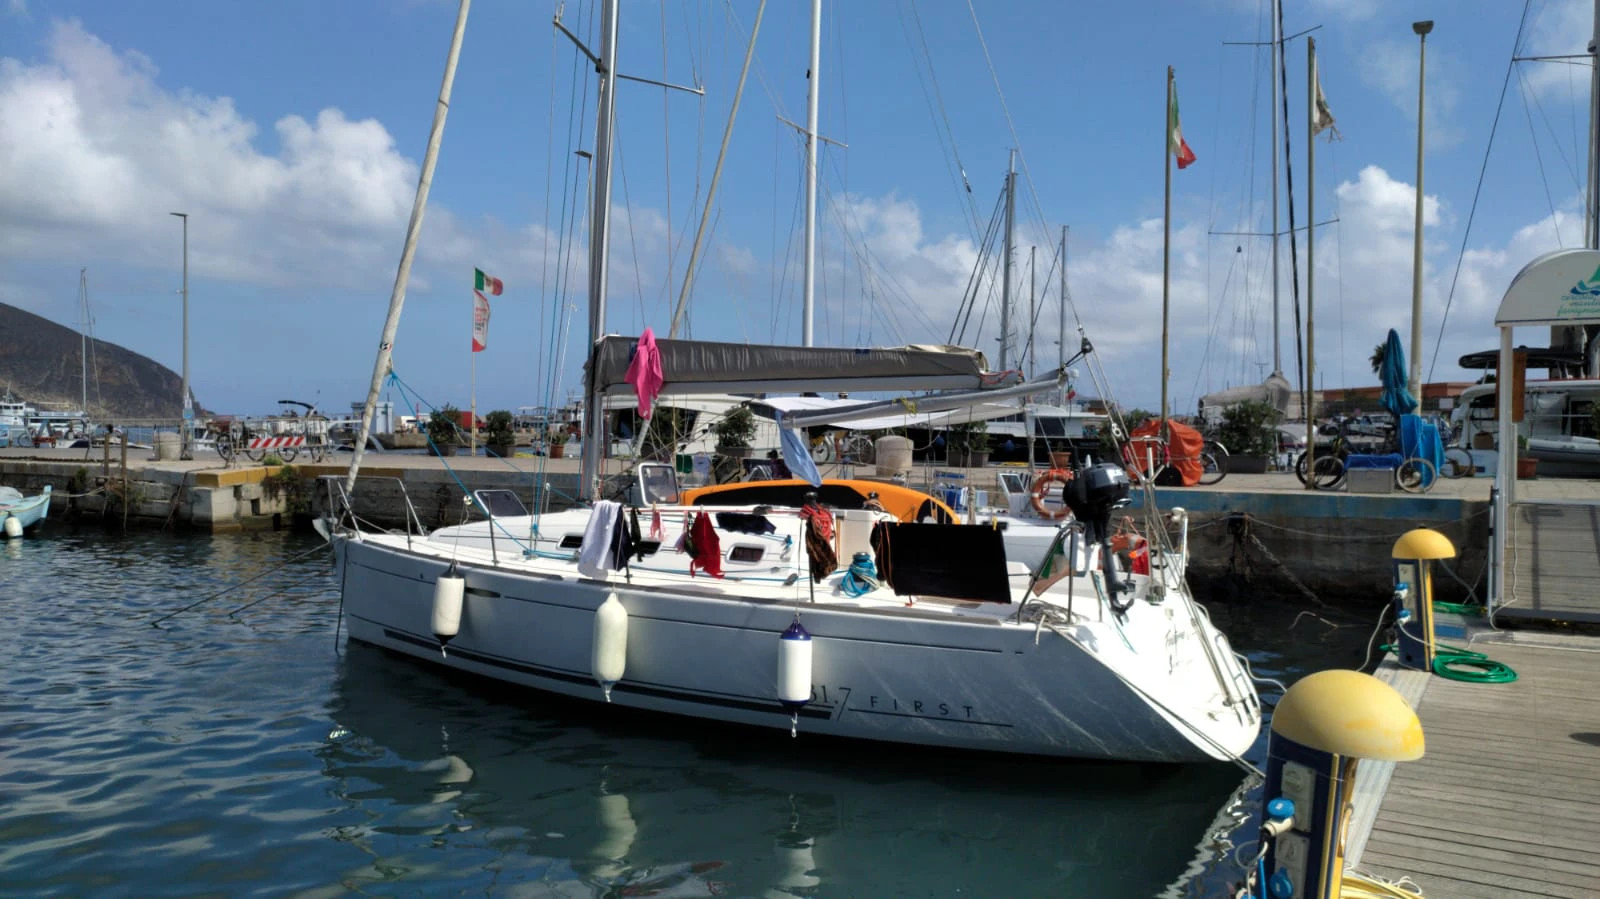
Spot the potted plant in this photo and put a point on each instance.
(442, 425)
(1250, 432)
(557, 447)
(967, 445)
(499, 437)
(734, 432)
(1527, 465)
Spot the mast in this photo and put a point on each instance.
(594, 414)
(1277, 48)
(1166, 240)
(1005, 282)
(811, 171)
(1591, 220)
(1310, 409)
(1061, 313)
(397, 297)
(1033, 307)
(83, 309)
(1591, 363)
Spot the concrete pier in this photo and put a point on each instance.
(1248, 533)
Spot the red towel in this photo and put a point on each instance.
(706, 549)
(821, 520)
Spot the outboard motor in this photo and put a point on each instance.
(1093, 495)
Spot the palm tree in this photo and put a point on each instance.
(1379, 352)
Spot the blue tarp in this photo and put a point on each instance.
(1420, 440)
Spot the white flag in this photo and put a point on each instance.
(480, 322)
(1321, 115)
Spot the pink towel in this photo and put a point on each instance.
(644, 372)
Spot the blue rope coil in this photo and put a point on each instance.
(861, 577)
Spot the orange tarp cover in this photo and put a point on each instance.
(1184, 445)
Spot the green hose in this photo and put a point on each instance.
(1456, 663)
(1460, 608)
(1473, 667)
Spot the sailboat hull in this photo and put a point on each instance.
(879, 673)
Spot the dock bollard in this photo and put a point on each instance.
(1322, 727)
(1414, 554)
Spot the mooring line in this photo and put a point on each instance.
(224, 590)
(279, 592)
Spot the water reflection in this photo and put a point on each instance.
(573, 799)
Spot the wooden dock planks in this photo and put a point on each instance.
(1553, 563)
(1503, 802)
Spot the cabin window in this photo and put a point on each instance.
(743, 552)
(501, 503)
(658, 484)
(572, 541)
(1051, 426)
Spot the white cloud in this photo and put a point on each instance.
(1391, 66)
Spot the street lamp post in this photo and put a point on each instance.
(188, 406)
(1414, 378)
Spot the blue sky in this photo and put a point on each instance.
(292, 135)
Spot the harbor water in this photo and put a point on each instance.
(244, 747)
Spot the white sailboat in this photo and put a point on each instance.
(1095, 653)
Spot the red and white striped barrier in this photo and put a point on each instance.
(277, 442)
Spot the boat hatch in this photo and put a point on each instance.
(500, 503)
(658, 485)
(572, 541)
(745, 553)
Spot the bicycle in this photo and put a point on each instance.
(831, 446)
(1412, 475)
(1153, 453)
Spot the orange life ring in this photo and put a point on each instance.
(1040, 485)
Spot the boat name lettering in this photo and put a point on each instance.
(925, 708)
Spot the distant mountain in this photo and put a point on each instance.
(42, 362)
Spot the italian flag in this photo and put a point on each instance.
(1176, 145)
(494, 285)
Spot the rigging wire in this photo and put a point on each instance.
(1027, 174)
(666, 162)
(1522, 85)
(1478, 191)
(955, 152)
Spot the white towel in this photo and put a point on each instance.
(594, 554)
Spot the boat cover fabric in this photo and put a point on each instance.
(644, 371)
(1184, 446)
(903, 503)
(693, 366)
(954, 561)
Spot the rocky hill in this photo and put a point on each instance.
(43, 364)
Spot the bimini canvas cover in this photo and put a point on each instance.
(1183, 442)
(699, 366)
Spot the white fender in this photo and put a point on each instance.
(448, 593)
(794, 667)
(610, 658)
(13, 527)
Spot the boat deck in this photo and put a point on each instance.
(1502, 803)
